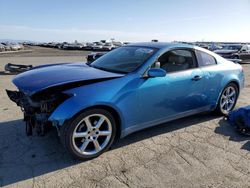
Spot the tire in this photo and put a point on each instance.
(236, 57)
(222, 109)
(92, 141)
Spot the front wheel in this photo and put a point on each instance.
(89, 134)
(228, 99)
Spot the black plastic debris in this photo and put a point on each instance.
(17, 68)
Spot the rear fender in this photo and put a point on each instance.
(227, 81)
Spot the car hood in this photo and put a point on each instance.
(225, 51)
(46, 76)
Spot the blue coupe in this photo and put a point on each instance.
(128, 89)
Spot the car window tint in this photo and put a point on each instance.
(124, 59)
(205, 59)
(177, 60)
(244, 48)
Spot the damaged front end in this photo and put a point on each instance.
(43, 89)
(37, 108)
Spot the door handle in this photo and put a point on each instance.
(196, 78)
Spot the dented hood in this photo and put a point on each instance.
(44, 77)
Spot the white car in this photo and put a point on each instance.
(97, 46)
(2, 47)
(109, 46)
(15, 46)
(74, 46)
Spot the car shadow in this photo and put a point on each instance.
(226, 129)
(164, 128)
(246, 146)
(22, 157)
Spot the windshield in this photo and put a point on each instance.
(233, 47)
(124, 59)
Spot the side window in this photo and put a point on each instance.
(244, 48)
(205, 59)
(177, 60)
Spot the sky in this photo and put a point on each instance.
(125, 20)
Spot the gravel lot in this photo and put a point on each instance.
(198, 151)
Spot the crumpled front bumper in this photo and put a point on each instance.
(33, 116)
(15, 96)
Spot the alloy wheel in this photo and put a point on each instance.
(92, 134)
(228, 99)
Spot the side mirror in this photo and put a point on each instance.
(156, 72)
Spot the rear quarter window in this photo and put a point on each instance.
(205, 59)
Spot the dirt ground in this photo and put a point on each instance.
(198, 151)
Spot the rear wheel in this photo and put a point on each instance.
(228, 99)
(89, 134)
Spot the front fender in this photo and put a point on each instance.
(74, 105)
(116, 94)
(65, 111)
(119, 94)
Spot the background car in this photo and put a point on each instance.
(235, 51)
(6, 46)
(94, 56)
(2, 47)
(73, 46)
(213, 47)
(14, 47)
(60, 45)
(97, 46)
(88, 46)
(128, 89)
(108, 46)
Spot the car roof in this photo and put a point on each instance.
(161, 45)
(234, 44)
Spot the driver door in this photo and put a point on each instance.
(178, 94)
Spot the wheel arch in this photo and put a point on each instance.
(110, 109)
(234, 81)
